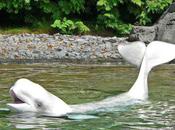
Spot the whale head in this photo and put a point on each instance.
(31, 97)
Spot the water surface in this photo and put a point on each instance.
(80, 84)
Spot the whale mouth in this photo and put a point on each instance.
(18, 104)
(16, 100)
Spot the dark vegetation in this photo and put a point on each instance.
(114, 17)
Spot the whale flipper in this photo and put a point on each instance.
(80, 116)
(133, 52)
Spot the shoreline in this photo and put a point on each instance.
(39, 48)
(63, 49)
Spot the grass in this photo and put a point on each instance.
(20, 30)
(46, 28)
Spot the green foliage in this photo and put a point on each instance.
(137, 2)
(69, 27)
(65, 26)
(109, 20)
(109, 16)
(68, 6)
(69, 16)
(81, 27)
(108, 4)
(146, 10)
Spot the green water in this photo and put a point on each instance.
(80, 84)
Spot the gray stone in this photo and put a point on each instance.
(60, 48)
(163, 30)
(143, 33)
(166, 25)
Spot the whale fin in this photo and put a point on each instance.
(133, 52)
(159, 52)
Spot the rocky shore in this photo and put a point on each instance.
(32, 48)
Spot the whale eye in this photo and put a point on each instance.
(39, 104)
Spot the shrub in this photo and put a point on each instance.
(148, 9)
(143, 11)
(70, 27)
(69, 16)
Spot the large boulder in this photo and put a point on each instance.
(163, 30)
(166, 26)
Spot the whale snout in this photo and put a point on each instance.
(18, 104)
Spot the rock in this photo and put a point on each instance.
(166, 26)
(143, 33)
(163, 30)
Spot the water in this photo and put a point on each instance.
(80, 84)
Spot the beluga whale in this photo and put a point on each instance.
(32, 97)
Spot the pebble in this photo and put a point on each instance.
(61, 47)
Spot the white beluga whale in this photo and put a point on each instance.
(29, 96)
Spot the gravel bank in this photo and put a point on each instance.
(32, 48)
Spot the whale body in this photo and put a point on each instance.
(30, 96)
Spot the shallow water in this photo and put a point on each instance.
(80, 84)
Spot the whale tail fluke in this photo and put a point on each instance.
(133, 52)
(156, 53)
